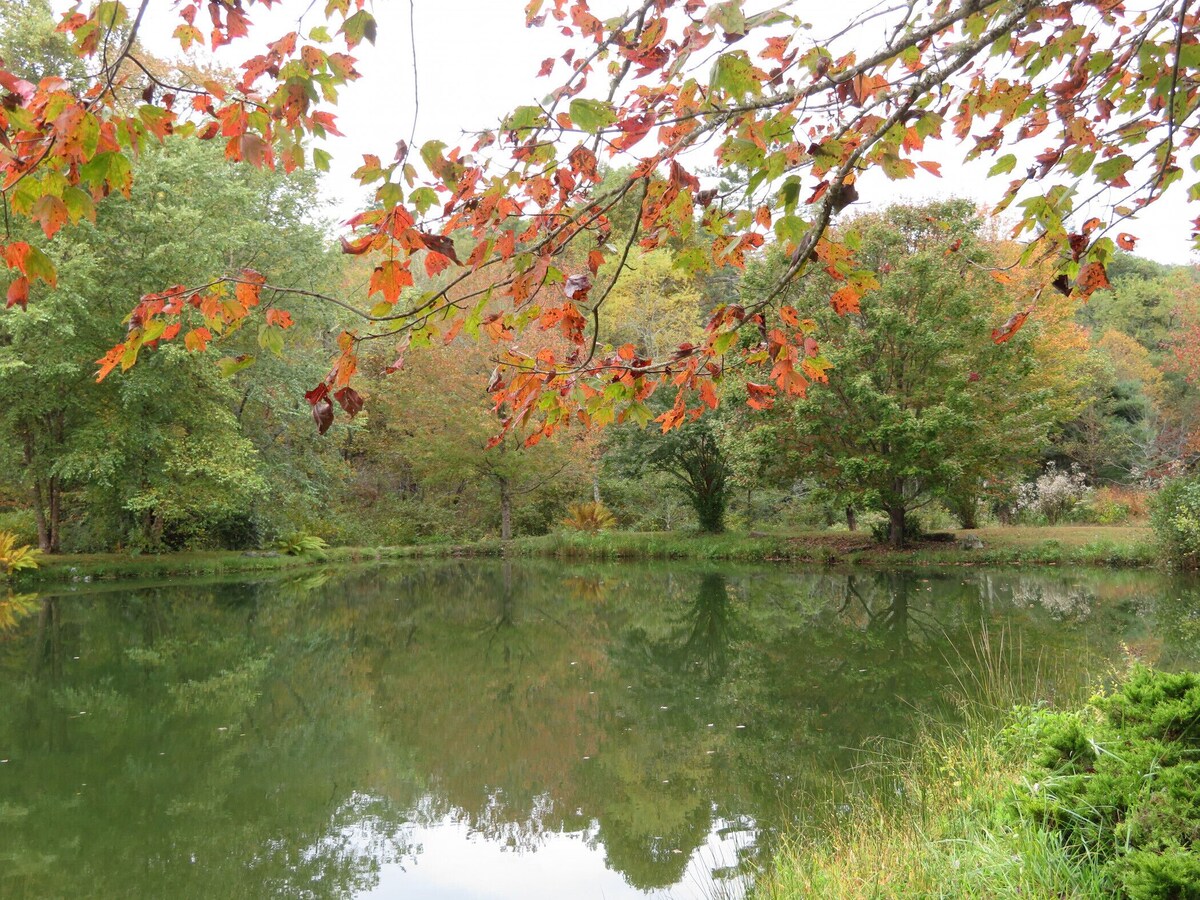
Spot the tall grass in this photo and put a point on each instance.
(933, 819)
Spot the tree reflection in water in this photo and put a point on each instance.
(313, 736)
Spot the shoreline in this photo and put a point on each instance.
(1090, 546)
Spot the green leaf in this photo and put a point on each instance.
(639, 412)
(1004, 164)
(423, 199)
(734, 74)
(359, 27)
(723, 342)
(270, 339)
(321, 159)
(591, 115)
(229, 366)
(1113, 169)
(523, 118)
(431, 152)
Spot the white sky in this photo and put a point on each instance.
(476, 61)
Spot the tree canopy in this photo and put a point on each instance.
(1082, 106)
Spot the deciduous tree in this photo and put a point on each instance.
(1084, 106)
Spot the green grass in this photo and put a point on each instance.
(1096, 802)
(1068, 545)
(73, 566)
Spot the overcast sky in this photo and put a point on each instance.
(476, 60)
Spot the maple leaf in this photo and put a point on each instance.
(1012, 326)
(389, 278)
(18, 293)
(846, 300)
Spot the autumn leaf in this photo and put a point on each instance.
(1012, 326)
(846, 301)
(18, 293)
(197, 339)
(1092, 278)
(760, 396)
(51, 213)
(390, 278)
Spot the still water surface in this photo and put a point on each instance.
(493, 730)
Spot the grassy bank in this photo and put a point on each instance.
(77, 566)
(1068, 545)
(1097, 802)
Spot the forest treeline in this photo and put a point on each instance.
(913, 401)
(908, 411)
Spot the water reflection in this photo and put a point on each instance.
(499, 730)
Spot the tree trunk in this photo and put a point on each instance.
(39, 514)
(505, 510)
(896, 519)
(55, 504)
(596, 489)
(851, 519)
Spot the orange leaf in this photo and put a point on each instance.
(197, 339)
(248, 289)
(390, 278)
(279, 317)
(1092, 277)
(110, 361)
(1011, 327)
(50, 212)
(846, 301)
(789, 315)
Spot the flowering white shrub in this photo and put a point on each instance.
(1054, 494)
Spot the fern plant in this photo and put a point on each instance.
(14, 557)
(301, 544)
(589, 517)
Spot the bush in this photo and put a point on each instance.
(1120, 783)
(21, 523)
(1175, 517)
(1113, 506)
(1053, 494)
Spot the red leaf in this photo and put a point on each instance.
(18, 293)
(322, 413)
(439, 243)
(358, 246)
(435, 263)
(760, 396)
(351, 401)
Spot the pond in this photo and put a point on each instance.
(503, 730)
